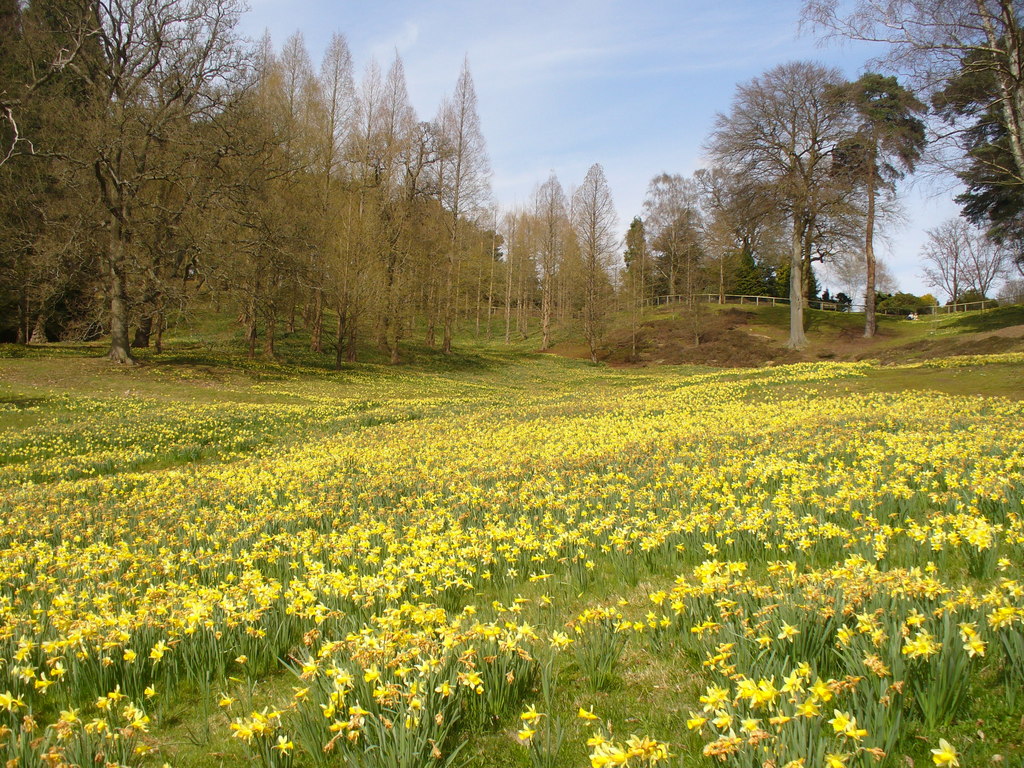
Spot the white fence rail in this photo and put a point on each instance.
(831, 306)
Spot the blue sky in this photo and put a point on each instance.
(561, 85)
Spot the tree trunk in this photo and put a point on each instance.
(797, 338)
(1009, 77)
(449, 306)
(159, 324)
(545, 316)
(38, 331)
(268, 337)
(395, 338)
(142, 332)
(120, 350)
(250, 327)
(289, 328)
(317, 322)
(870, 321)
(23, 331)
(431, 337)
(350, 351)
(339, 345)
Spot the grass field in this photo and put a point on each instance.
(508, 559)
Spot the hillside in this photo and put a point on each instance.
(747, 336)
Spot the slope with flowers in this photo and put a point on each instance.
(537, 563)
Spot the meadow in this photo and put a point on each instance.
(526, 561)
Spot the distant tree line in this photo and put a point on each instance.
(150, 158)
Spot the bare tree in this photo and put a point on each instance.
(959, 258)
(741, 224)
(780, 133)
(157, 67)
(672, 221)
(465, 175)
(594, 220)
(551, 216)
(986, 264)
(337, 101)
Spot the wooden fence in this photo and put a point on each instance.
(830, 306)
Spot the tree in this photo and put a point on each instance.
(887, 143)
(959, 258)
(331, 266)
(550, 211)
(158, 68)
(465, 179)
(594, 221)
(780, 132)
(672, 223)
(638, 270)
(743, 226)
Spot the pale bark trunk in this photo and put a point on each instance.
(317, 322)
(120, 349)
(870, 321)
(508, 296)
(250, 329)
(545, 316)
(159, 322)
(38, 331)
(142, 332)
(797, 338)
(339, 346)
(1009, 79)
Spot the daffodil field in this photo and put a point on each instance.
(407, 570)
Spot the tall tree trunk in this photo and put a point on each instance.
(797, 338)
(478, 309)
(317, 322)
(490, 285)
(339, 345)
(545, 315)
(292, 312)
(269, 336)
(431, 337)
(120, 350)
(38, 331)
(508, 296)
(23, 318)
(393, 341)
(353, 325)
(1008, 78)
(449, 306)
(870, 321)
(159, 322)
(142, 332)
(250, 328)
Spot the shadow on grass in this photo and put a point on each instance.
(989, 320)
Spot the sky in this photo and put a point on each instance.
(562, 84)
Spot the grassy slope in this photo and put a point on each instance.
(739, 336)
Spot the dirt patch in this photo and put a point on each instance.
(1010, 332)
(724, 342)
(744, 338)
